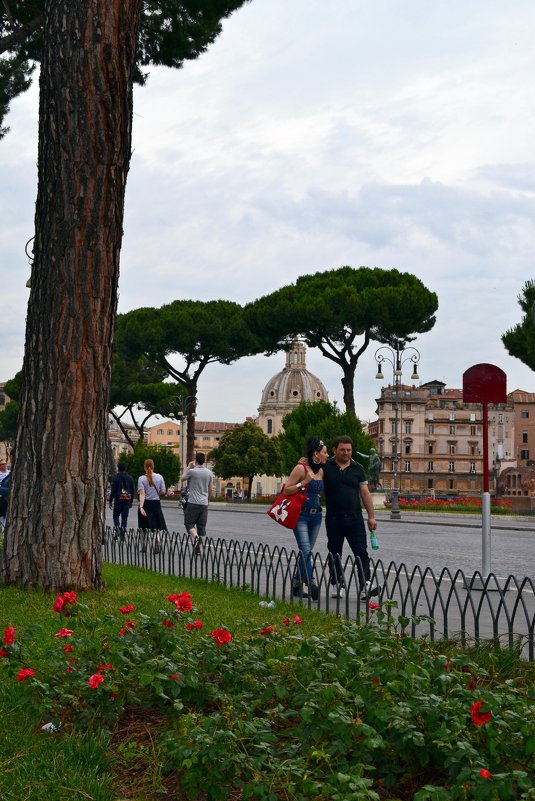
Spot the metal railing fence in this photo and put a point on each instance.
(450, 605)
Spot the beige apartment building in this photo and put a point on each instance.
(437, 440)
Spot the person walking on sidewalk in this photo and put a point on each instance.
(307, 474)
(200, 482)
(150, 487)
(121, 498)
(346, 491)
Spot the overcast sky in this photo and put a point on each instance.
(314, 135)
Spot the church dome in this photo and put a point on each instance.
(288, 388)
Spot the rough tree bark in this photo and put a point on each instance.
(56, 512)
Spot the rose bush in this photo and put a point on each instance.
(271, 713)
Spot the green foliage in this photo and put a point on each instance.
(170, 33)
(332, 309)
(199, 332)
(139, 385)
(9, 421)
(10, 415)
(275, 710)
(246, 451)
(166, 462)
(520, 340)
(323, 420)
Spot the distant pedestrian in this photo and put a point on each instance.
(151, 487)
(5, 487)
(200, 483)
(121, 498)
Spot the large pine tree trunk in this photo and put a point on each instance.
(56, 512)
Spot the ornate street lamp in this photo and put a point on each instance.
(397, 358)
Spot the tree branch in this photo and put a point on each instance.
(22, 33)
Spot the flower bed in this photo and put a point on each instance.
(467, 505)
(267, 712)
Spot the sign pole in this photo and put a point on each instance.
(485, 499)
(484, 383)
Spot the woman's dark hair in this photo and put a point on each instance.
(312, 446)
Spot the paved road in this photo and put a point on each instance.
(449, 541)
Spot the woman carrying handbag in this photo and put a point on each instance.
(307, 476)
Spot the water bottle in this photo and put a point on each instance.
(374, 542)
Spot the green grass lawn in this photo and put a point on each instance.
(289, 710)
(38, 766)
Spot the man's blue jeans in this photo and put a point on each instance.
(306, 533)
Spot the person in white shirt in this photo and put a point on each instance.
(150, 487)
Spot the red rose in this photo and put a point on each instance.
(59, 603)
(64, 633)
(124, 610)
(485, 773)
(197, 625)
(267, 631)
(68, 648)
(175, 676)
(109, 666)
(446, 665)
(285, 622)
(95, 680)
(9, 635)
(373, 605)
(221, 636)
(3, 653)
(297, 620)
(25, 673)
(168, 623)
(479, 717)
(69, 597)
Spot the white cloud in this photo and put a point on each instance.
(312, 136)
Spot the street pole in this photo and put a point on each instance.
(395, 514)
(397, 359)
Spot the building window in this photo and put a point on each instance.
(472, 431)
(430, 416)
(472, 417)
(472, 450)
(500, 419)
(160, 432)
(452, 484)
(524, 414)
(206, 439)
(270, 426)
(407, 466)
(407, 405)
(524, 437)
(472, 467)
(407, 447)
(394, 427)
(408, 427)
(451, 447)
(429, 447)
(429, 483)
(452, 467)
(430, 468)
(170, 432)
(452, 429)
(431, 428)
(452, 415)
(524, 454)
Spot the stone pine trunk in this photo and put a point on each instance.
(57, 506)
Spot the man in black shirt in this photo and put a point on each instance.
(346, 490)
